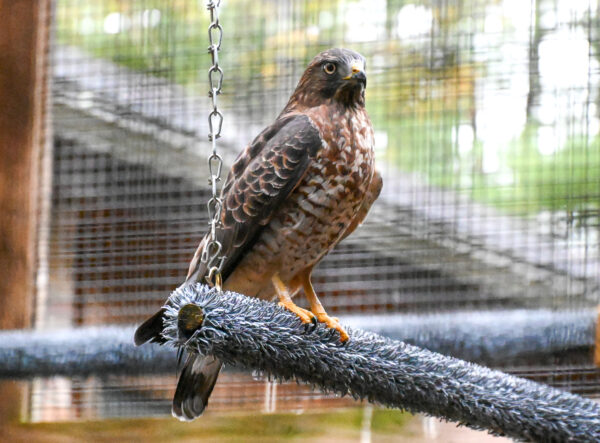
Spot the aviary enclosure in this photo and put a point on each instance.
(487, 128)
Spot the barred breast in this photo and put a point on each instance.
(314, 217)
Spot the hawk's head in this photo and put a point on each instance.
(336, 74)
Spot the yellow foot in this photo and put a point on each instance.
(333, 323)
(304, 315)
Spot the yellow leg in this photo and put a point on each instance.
(317, 308)
(286, 301)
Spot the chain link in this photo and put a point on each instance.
(211, 255)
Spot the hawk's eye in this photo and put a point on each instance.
(329, 68)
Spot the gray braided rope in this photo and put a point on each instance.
(95, 350)
(254, 334)
(487, 337)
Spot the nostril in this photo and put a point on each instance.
(361, 77)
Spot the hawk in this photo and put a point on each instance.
(305, 183)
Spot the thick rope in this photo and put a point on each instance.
(97, 350)
(505, 337)
(254, 334)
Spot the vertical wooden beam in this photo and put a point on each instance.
(597, 346)
(24, 44)
(24, 32)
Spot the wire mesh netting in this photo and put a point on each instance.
(487, 128)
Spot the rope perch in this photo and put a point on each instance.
(259, 335)
(485, 337)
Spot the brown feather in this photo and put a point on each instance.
(305, 183)
(262, 177)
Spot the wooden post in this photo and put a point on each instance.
(597, 346)
(23, 97)
(24, 35)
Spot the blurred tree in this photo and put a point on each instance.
(535, 38)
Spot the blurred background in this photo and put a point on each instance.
(487, 127)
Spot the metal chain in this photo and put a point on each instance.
(211, 255)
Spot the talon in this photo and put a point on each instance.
(304, 315)
(333, 323)
(285, 301)
(317, 308)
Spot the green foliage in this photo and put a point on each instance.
(566, 180)
(334, 425)
(173, 48)
(419, 99)
(389, 421)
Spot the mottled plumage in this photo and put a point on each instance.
(302, 185)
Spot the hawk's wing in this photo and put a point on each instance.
(261, 178)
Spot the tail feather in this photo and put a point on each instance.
(150, 330)
(195, 385)
(200, 372)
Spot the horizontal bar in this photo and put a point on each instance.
(488, 337)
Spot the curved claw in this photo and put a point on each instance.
(333, 323)
(304, 315)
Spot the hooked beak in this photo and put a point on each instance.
(358, 73)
